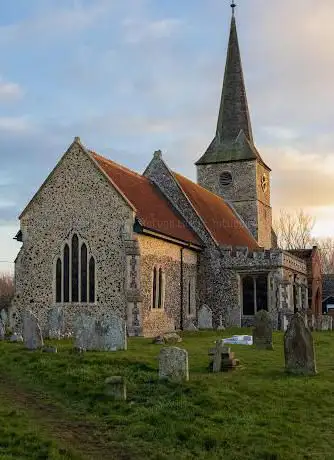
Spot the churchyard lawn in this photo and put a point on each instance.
(52, 406)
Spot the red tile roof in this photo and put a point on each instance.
(223, 224)
(153, 210)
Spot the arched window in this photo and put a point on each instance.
(158, 288)
(91, 280)
(75, 273)
(84, 279)
(66, 273)
(75, 268)
(154, 287)
(58, 280)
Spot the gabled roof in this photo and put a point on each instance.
(220, 219)
(153, 210)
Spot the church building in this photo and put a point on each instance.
(156, 247)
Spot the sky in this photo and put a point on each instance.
(134, 76)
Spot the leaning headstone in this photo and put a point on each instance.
(205, 318)
(173, 364)
(106, 334)
(263, 331)
(56, 323)
(32, 334)
(299, 347)
(116, 388)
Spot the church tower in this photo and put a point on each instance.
(232, 166)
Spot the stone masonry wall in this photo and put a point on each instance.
(159, 253)
(244, 192)
(218, 286)
(75, 198)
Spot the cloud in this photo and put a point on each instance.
(20, 124)
(138, 30)
(9, 91)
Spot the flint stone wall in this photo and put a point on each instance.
(155, 252)
(75, 198)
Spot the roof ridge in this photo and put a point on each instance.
(118, 165)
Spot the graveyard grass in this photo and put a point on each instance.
(55, 403)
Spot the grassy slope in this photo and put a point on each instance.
(256, 412)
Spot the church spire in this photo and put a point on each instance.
(233, 111)
(233, 140)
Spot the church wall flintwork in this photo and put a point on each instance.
(75, 198)
(167, 256)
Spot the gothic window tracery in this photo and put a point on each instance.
(75, 273)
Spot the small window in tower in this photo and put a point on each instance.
(225, 179)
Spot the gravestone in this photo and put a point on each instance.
(116, 388)
(56, 323)
(221, 327)
(173, 364)
(263, 331)
(310, 320)
(205, 318)
(32, 334)
(299, 347)
(222, 359)
(105, 334)
(4, 317)
(2, 331)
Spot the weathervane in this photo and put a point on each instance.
(233, 5)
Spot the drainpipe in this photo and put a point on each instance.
(181, 289)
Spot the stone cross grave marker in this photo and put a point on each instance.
(32, 334)
(205, 318)
(263, 331)
(173, 364)
(299, 347)
(223, 359)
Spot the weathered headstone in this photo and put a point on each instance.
(56, 323)
(205, 318)
(4, 317)
(299, 347)
(173, 364)
(50, 350)
(106, 334)
(310, 320)
(32, 334)
(263, 331)
(116, 388)
(2, 331)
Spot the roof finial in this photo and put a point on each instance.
(233, 6)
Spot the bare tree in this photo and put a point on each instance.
(294, 230)
(6, 290)
(326, 250)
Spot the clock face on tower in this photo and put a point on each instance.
(264, 182)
